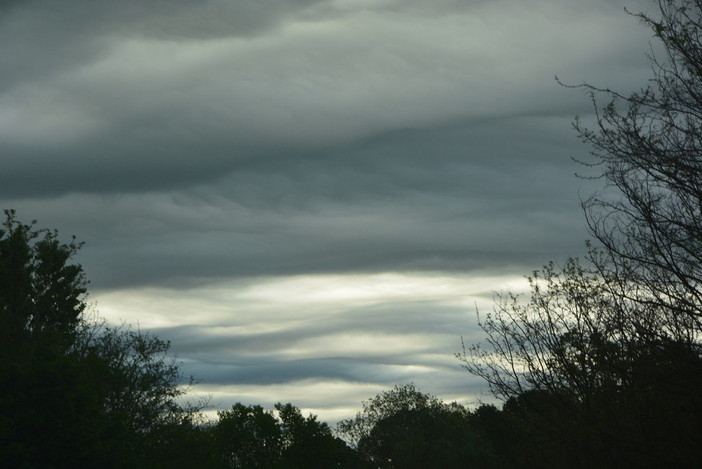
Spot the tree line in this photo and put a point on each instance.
(78, 392)
(599, 366)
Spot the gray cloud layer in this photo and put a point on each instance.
(190, 143)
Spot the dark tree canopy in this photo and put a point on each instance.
(248, 436)
(73, 391)
(41, 290)
(405, 428)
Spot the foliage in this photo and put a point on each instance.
(308, 443)
(141, 383)
(74, 392)
(385, 404)
(586, 368)
(42, 294)
(248, 436)
(42, 297)
(405, 428)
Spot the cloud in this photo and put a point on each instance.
(307, 197)
(379, 329)
(146, 112)
(391, 203)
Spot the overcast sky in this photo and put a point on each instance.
(309, 198)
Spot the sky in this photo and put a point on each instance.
(309, 198)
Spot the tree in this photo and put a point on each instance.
(73, 391)
(593, 379)
(604, 357)
(405, 428)
(248, 436)
(41, 292)
(577, 334)
(141, 382)
(309, 444)
(139, 386)
(385, 404)
(43, 411)
(649, 146)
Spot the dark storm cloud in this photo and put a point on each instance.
(394, 202)
(421, 159)
(265, 371)
(118, 108)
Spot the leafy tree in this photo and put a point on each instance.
(41, 292)
(250, 436)
(185, 443)
(308, 443)
(44, 412)
(141, 382)
(74, 392)
(510, 438)
(385, 404)
(139, 387)
(405, 428)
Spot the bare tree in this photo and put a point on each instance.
(649, 148)
(576, 336)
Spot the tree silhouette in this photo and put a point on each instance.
(605, 354)
(405, 428)
(42, 293)
(248, 436)
(648, 146)
(73, 391)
